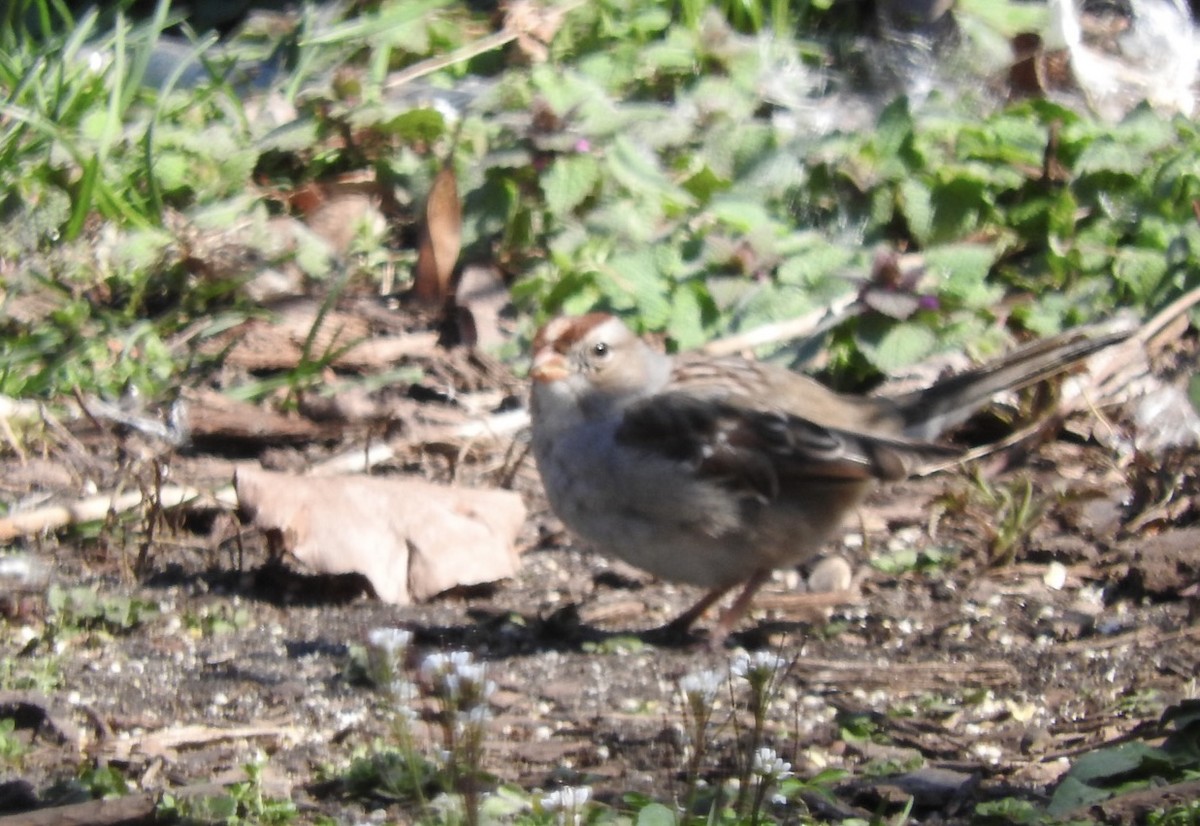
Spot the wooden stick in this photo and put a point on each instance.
(96, 507)
(469, 50)
(135, 808)
(788, 330)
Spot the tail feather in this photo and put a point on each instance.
(930, 412)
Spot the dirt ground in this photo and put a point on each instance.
(981, 679)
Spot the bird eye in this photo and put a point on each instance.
(600, 350)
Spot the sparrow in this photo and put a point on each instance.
(717, 471)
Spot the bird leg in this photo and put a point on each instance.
(677, 629)
(734, 613)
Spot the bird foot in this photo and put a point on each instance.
(677, 633)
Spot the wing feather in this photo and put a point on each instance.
(760, 451)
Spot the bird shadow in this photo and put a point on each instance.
(497, 634)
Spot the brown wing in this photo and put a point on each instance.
(758, 450)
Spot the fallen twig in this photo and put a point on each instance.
(97, 507)
(1142, 637)
(132, 809)
(167, 742)
(793, 328)
(358, 460)
(922, 676)
(512, 31)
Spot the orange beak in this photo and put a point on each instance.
(549, 365)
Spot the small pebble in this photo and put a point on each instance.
(831, 574)
(1055, 576)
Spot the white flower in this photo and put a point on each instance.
(402, 690)
(404, 696)
(475, 718)
(757, 667)
(568, 798)
(385, 653)
(391, 641)
(472, 674)
(701, 686)
(770, 766)
(440, 663)
(457, 678)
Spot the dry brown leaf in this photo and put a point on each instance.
(534, 25)
(411, 538)
(440, 240)
(336, 210)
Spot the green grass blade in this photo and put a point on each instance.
(148, 36)
(82, 202)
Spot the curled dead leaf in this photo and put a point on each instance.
(440, 240)
(410, 538)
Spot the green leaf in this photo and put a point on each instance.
(741, 215)
(656, 814)
(891, 347)
(639, 172)
(312, 252)
(627, 219)
(100, 127)
(1044, 315)
(1005, 140)
(916, 203)
(814, 266)
(293, 136)
(650, 20)
(963, 270)
(415, 125)
(1110, 156)
(668, 57)
(1114, 763)
(570, 180)
(1073, 793)
(958, 204)
(505, 803)
(688, 310)
(894, 137)
(1006, 17)
(142, 249)
(1140, 270)
(766, 303)
(172, 171)
(633, 280)
(1008, 810)
(704, 184)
